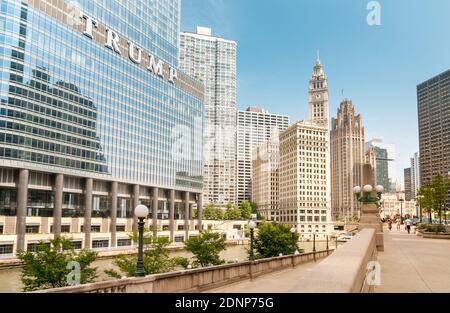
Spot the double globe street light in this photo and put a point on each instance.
(364, 195)
(141, 212)
(251, 225)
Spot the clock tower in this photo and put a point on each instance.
(318, 96)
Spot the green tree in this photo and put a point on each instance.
(47, 267)
(271, 240)
(232, 214)
(254, 207)
(246, 210)
(440, 188)
(211, 212)
(426, 200)
(206, 248)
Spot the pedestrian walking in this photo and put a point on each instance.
(408, 224)
(399, 223)
(389, 224)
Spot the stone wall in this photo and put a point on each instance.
(195, 280)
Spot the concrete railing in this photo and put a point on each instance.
(195, 280)
(346, 270)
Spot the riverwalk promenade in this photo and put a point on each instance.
(411, 263)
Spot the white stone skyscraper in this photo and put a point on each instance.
(255, 127)
(304, 174)
(318, 96)
(212, 60)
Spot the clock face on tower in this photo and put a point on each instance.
(318, 95)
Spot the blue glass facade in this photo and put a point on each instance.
(70, 103)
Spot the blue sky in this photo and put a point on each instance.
(378, 67)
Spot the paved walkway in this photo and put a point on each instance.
(276, 282)
(413, 264)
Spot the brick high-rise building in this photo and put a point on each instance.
(433, 98)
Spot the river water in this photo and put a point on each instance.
(10, 278)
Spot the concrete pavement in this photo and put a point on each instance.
(277, 282)
(413, 264)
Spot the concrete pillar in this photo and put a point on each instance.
(199, 212)
(22, 200)
(370, 214)
(186, 215)
(57, 209)
(88, 212)
(113, 222)
(155, 211)
(136, 202)
(172, 214)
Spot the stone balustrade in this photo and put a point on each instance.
(347, 269)
(195, 280)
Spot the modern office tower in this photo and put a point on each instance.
(265, 177)
(347, 160)
(212, 60)
(415, 175)
(385, 164)
(255, 126)
(318, 96)
(95, 119)
(371, 158)
(304, 193)
(408, 185)
(434, 126)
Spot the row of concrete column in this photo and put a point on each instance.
(22, 197)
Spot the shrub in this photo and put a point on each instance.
(431, 228)
(156, 259)
(271, 240)
(206, 248)
(48, 267)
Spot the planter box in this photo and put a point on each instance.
(431, 235)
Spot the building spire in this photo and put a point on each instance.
(318, 57)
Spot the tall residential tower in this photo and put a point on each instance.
(255, 126)
(212, 60)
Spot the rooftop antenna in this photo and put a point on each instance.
(318, 55)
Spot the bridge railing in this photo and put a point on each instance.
(195, 280)
(349, 270)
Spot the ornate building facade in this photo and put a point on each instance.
(347, 159)
(304, 176)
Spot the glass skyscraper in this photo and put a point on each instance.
(385, 164)
(95, 118)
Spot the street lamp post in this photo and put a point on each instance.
(141, 211)
(293, 230)
(251, 226)
(399, 198)
(445, 206)
(419, 201)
